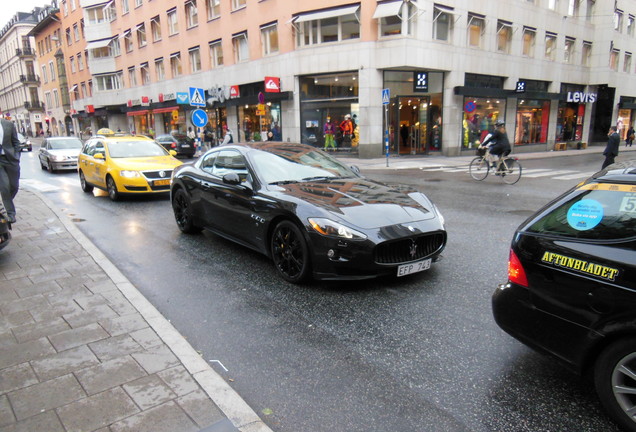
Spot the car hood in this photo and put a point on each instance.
(364, 203)
(146, 163)
(65, 152)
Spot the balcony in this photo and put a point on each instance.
(34, 106)
(30, 79)
(25, 52)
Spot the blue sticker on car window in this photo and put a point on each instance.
(585, 214)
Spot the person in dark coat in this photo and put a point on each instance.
(9, 167)
(611, 150)
(630, 136)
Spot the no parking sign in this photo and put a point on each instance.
(470, 106)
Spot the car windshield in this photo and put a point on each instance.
(135, 149)
(65, 144)
(282, 165)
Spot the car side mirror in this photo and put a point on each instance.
(232, 179)
(99, 156)
(173, 153)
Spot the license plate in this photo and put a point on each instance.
(407, 269)
(185, 145)
(162, 182)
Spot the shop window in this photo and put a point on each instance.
(480, 115)
(240, 47)
(324, 27)
(504, 36)
(476, 27)
(192, 15)
(213, 8)
(529, 37)
(269, 39)
(550, 46)
(568, 53)
(443, 19)
(569, 125)
(532, 122)
(155, 28)
(216, 53)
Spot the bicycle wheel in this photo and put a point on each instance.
(479, 168)
(510, 171)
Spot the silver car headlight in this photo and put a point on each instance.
(330, 228)
(439, 214)
(128, 174)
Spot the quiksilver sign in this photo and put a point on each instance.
(581, 97)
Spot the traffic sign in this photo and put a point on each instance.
(386, 96)
(197, 96)
(199, 118)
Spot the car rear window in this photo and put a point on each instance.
(596, 211)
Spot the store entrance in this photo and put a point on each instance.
(410, 130)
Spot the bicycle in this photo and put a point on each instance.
(507, 167)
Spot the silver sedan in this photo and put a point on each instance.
(60, 153)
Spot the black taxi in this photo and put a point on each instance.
(571, 289)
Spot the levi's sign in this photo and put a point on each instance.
(581, 97)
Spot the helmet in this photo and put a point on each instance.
(499, 123)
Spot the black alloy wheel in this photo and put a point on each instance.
(85, 186)
(290, 252)
(182, 208)
(111, 187)
(615, 380)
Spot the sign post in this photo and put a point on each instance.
(386, 98)
(261, 112)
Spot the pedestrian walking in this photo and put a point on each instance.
(208, 137)
(9, 167)
(611, 150)
(630, 136)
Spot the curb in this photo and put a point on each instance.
(225, 397)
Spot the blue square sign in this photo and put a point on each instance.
(197, 96)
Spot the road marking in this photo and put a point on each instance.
(38, 185)
(546, 174)
(575, 176)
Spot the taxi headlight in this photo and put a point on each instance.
(331, 228)
(128, 174)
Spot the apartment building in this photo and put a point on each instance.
(20, 97)
(416, 76)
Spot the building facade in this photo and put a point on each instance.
(20, 95)
(415, 76)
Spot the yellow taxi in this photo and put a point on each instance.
(125, 164)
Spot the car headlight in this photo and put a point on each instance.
(331, 228)
(441, 217)
(58, 158)
(128, 174)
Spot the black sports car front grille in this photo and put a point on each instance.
(409, 249)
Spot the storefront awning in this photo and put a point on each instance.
(331, 13)
(165, 110)
(137, 113)
(384, 10)
(98, 44)
(503, 93)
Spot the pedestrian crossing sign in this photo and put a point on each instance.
(386, 96)
(196, 96)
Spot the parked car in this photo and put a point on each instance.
(125, 164)
(571, 290)
(183, 145)
(312, 215)
(25, 143)
(60, 153)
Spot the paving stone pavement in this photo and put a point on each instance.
(82, 350)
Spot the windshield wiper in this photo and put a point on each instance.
(318, 178)
(281, 182)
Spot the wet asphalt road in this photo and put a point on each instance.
(420, 353)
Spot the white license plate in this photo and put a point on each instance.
(185, 145)
(407, 269)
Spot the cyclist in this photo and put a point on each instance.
(501, 146)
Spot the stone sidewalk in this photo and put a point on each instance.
(82, 350)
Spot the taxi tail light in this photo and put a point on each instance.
(516, 273)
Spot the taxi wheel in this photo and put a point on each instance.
(85, 186)
(290, 252)
(111, 187)
(615, 380)
(182, 208)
